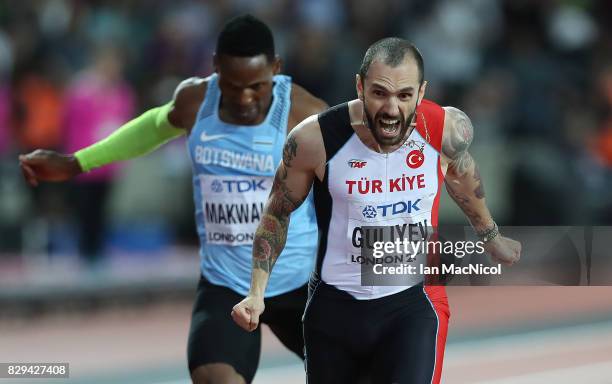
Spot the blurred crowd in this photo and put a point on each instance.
(535, 76)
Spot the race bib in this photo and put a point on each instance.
(232, 207)
(375, 221)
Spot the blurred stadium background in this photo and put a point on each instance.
(535, 76)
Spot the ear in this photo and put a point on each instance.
(422, 91)
(276, 65)
(216, 62)
(359, 86)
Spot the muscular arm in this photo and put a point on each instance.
(464, 185)
(149, 131)
(292, 182)
(135, 138)
(463, 181)
(188, 97)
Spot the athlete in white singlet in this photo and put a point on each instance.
(378, 161)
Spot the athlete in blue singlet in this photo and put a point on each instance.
(233, 170)
(236, 121)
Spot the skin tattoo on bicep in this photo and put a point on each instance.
(464, 173)
(455, 146)
(284, 203)
(271, 234)
(457, 140)
(289, 151)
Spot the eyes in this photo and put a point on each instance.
(255, 87)
(403, 96)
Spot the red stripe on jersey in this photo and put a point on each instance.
(430, 122)
(439, 301)
(436, 202)
(430, 125)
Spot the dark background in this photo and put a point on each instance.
(535, 76)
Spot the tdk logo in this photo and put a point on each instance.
(216, 186)
(354, 163)
(240, 186)
(369, 212)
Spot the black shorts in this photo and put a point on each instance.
(215, 338)
(394, 339)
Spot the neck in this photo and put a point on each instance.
(391, 148)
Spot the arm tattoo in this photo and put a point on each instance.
(463, 181)
(457, 139)
(289, 150)
(463, 163)
(479, 190)
(281, 202)
(271, 233)
(269, 241)
(464, 202)
(463, 167)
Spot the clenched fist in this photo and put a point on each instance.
(45, 165)
(246, 313)
(504, 250)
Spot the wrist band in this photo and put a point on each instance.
(489, 234)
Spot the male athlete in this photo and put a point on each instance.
(388, 146)
(236, 121)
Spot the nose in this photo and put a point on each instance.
(391, 107)
(246, 98)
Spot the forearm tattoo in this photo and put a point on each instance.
(465, 202)
(271, 233)
(269, 241)
(479, 190)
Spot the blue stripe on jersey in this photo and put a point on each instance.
(233, 170)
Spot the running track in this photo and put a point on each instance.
(498, 335)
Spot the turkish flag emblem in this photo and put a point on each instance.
(415, 158)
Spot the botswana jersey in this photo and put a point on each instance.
(233, 170)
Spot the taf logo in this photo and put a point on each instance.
(238, 185)
(354, 163)
(369, 212)
(415, 158)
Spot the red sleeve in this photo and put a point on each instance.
(430, 122)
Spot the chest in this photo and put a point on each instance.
(356, 173)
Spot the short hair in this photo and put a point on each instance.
(391, 51)
(246, 36)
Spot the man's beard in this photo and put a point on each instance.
(403, 122)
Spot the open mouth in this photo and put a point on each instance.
(389, 127)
